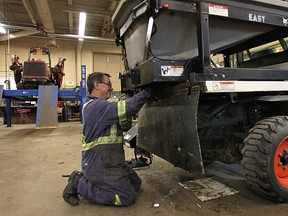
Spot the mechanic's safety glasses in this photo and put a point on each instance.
(109, 84)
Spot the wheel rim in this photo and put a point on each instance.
(281, 162)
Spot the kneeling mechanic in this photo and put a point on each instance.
(105, 177)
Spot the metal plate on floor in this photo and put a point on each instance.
(208, 189)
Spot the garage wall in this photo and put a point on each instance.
(67, 48)
(109, 63)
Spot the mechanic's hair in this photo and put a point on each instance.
(95, 77)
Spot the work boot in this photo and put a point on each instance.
(70, 194)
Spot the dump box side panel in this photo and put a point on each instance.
(265, 3)
(135, 42)
(174, 35)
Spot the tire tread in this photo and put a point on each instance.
(256, 153)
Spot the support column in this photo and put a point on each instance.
(78, 62)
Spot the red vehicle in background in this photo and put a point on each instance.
(36, 71)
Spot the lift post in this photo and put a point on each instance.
(83, 88)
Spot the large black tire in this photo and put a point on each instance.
(264, 149)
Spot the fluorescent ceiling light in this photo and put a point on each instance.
(2, 29)
(82, 22)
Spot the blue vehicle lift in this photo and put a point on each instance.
(76, 94)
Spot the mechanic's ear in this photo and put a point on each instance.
(96, 85)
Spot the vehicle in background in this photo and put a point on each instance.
(37, 71)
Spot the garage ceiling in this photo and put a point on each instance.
(58, 18)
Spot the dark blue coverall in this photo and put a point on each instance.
(107, 179)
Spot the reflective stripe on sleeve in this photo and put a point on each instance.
(85, 104)
(121, 107)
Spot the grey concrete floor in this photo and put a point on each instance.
(32, 162)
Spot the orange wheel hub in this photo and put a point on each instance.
(281, 162)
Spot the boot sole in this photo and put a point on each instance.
(68, 195)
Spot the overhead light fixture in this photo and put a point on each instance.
(52, 43)
(2, 29)
(82, 22)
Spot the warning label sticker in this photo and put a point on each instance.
(218, 10)
(220, 86)
(172, 70)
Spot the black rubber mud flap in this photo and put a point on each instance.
(168, 128)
